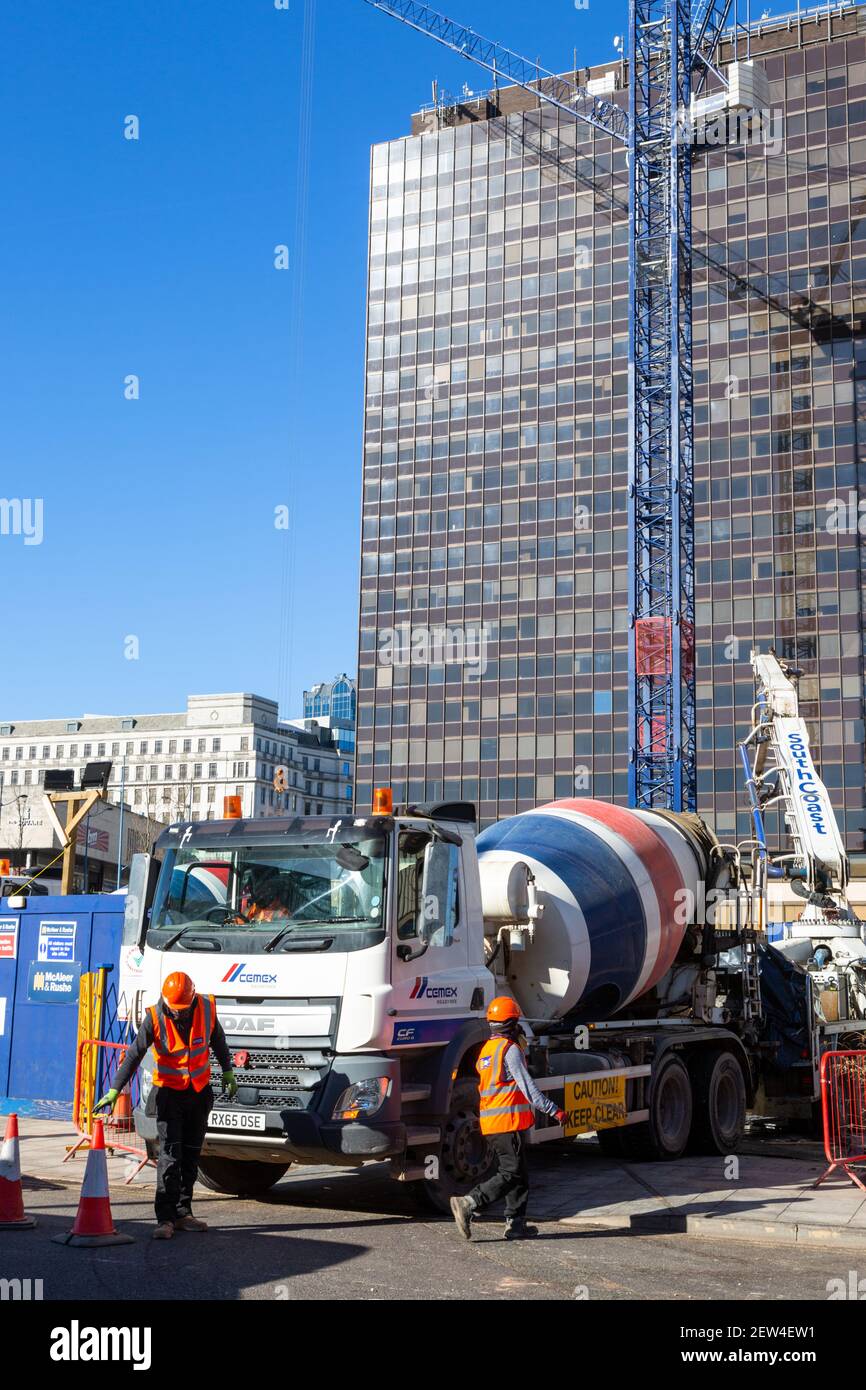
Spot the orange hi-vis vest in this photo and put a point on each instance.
(178, 1066)
(504, 1108)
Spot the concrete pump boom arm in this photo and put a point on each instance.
(807, 807)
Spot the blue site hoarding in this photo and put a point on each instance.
(44, 948)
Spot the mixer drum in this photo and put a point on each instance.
(612, 884)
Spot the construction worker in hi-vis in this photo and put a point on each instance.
(508, 1099)
(181, 1028)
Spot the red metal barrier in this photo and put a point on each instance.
(843, 1104)
(96, 1067)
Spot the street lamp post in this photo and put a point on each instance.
(120, 823)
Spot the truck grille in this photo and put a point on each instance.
(277, 1078)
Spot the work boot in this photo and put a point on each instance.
(517, 1229)
(164, 1231)
(190, 1223)
(463, 1209)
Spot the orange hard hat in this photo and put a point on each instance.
(178, 990)
(501, 1009)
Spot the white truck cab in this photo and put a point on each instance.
(347, 961)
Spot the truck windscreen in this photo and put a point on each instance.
(313, 886)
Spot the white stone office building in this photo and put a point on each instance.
(169, 767)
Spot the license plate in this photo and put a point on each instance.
(236, 1119)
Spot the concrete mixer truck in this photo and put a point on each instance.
(353, 958)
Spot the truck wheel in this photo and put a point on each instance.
(239, 1176)
(720, 1103)
(465, 1158)
(665, 1135)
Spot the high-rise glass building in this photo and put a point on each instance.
(494, 623)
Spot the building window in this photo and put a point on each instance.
(88, 750)
(157, 745)
(196, 769)
(142, 747)
(181, 771)
(212, 770)
(217, 745)
(46, 750)
(19, 754)
(172, 745)
(211, 794)
(168, 772)
(5, 755)
(187, 745)
(127, 725)
(73, 750)
(245, 744)
(115, 750)
(72, 727)
(200, 746)
(153, 772)
(58, 751)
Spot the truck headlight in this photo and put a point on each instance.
(363, 1099)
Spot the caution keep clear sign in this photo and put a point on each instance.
(597, 1102)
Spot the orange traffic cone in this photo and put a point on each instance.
(94, 1224)
(11, 1201)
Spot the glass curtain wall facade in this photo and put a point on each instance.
(493, 623)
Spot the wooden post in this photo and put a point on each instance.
(77, 806)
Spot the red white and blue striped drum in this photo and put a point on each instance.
(615, 885)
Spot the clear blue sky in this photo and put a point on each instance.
(155, 257)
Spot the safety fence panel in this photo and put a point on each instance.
(94, 1076)
(843, 1104)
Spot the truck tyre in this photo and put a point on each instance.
(665, 1135)
(239, 1176)
(465, 1158)
(719, 1103)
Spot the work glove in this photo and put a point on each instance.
(230, 1083)
(107, 1100)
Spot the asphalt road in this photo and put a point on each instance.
(357, 1235)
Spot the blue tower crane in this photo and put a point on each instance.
(672, 48)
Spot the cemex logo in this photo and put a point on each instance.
(237, 974)
(421, 990)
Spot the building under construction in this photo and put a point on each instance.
(493, 655)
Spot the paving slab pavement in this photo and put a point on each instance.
(745, 1197)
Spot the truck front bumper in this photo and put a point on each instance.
(309, 1135)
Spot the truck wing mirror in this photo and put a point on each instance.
(438, 888)
(143, 873)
